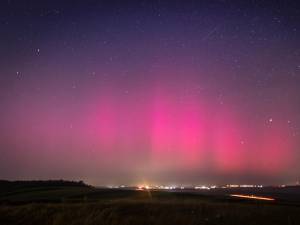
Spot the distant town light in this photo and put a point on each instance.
(202, 187)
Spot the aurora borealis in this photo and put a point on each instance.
(181, 92)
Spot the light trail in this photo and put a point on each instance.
(253, 197)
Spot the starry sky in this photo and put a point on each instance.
(160, 92)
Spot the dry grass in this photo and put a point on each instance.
(131, 212)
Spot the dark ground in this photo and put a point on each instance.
(76, 203)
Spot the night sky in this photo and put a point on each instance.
(160, 92)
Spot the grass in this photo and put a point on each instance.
(148, 212)
(65, 205)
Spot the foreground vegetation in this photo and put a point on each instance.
(148, 212)
(80, 204)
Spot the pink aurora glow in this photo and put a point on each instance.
(162, 131)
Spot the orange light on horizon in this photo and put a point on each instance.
(143, 187)
(253, 197)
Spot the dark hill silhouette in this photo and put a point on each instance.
(6, 185)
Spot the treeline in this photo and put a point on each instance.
(6, 185)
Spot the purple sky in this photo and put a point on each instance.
(175, 92)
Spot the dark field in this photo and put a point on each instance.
(75, 203)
